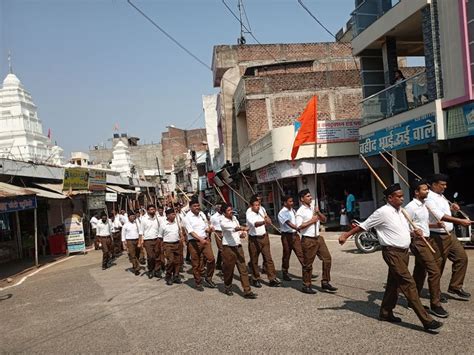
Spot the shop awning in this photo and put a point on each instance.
(8, 191)
(58, 188)
(120, 190)
(47, 194)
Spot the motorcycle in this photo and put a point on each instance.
(366, 241)
(463, 234)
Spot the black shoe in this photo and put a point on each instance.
(209, 283)
(137, 272)
(169, 282)
(250, 295)
(286, 277)
(327, 287)
(158, 274)
(177, 280)
(439, 312)
(391, 318)
(308, 290)
(104, 267)
(228, 292)
(150, 274)
(256, 283)
(460, 293)
(274, 283)
(181, 269)
(199, 288)
(142, 261)
(443, 299)
(433, 327)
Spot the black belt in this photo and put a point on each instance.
(132, 239)
(104, 236)
(171, 242)
(438, 233)
(257, 236)
(403, 250)
(308, 236)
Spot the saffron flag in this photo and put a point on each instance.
(308, 123)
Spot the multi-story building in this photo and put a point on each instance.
(264, 89)
(424, 119)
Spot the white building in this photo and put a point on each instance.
(209, 104)
(121, 161)
(21, 131)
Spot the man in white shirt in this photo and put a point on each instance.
(116, 227)
(233, 253)
(93, 222)
(447, 246)
(308, 219)
(395, 237)
(425, 260)
(149, 228)
(131, 241)
(171, 236)
(290, 239)
(123, 217)
(216, 224)
(180, 216)
(199, 245)
(259, 243)
(103, 230)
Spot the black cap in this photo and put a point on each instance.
(169, 211)
(439, 177)
(418, 182)
(194, 201)
(391, 189)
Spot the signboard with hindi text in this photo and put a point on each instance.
(97, 180)
(110, 197)
(74, 232)
(421, 130)
(338, 131)
(18, 203)
(76, 179)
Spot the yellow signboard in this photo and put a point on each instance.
(76, 179)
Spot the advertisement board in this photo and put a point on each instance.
(74, 232)
(76, 179)
(97, 180)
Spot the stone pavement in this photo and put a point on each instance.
(76, 307)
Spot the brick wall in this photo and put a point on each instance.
(176, 142)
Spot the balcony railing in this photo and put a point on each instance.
(368, 12)
(403, 96)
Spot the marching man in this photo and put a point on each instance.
(131, 242)
(395, 237)
(170, 233)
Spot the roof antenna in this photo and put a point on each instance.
(242, 39)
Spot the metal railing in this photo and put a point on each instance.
(400, 97)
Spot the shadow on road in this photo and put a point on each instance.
(6, 297)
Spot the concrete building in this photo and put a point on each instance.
(21, 130)
(147, 159)
(426, 119)
(264, 89)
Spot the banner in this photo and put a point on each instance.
(338, 131)
(74, 232)
(76, 179)
(110, 197)
(18, 203)
(97, 180)
(418, 131)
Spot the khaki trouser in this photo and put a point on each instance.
(399, 278)
(153, 249)
(261, 245)
(106, 249)
(290, 242)
(232, 256)
(117, 243)
(218, 238)
(133, 253)
(95, 238)
(449, 247)
(313, 247)
(197, 250)
(173, 258)
(426, 262)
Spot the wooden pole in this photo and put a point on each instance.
(316, 149)
(248, 183)
(220, 193)
(35, 221)
(401, 208)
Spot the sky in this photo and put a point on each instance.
(92, 64)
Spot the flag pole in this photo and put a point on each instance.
(316, 152)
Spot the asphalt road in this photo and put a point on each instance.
(76, 307)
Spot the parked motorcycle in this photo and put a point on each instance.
(366, 241)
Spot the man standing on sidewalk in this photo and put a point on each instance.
(104, 232)
(93, 222)
(447, 245)
(131, 242)
(149, 228)
(199, 245)
(395, 237)
(313, 244)
(259, 243)
(290, 239)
